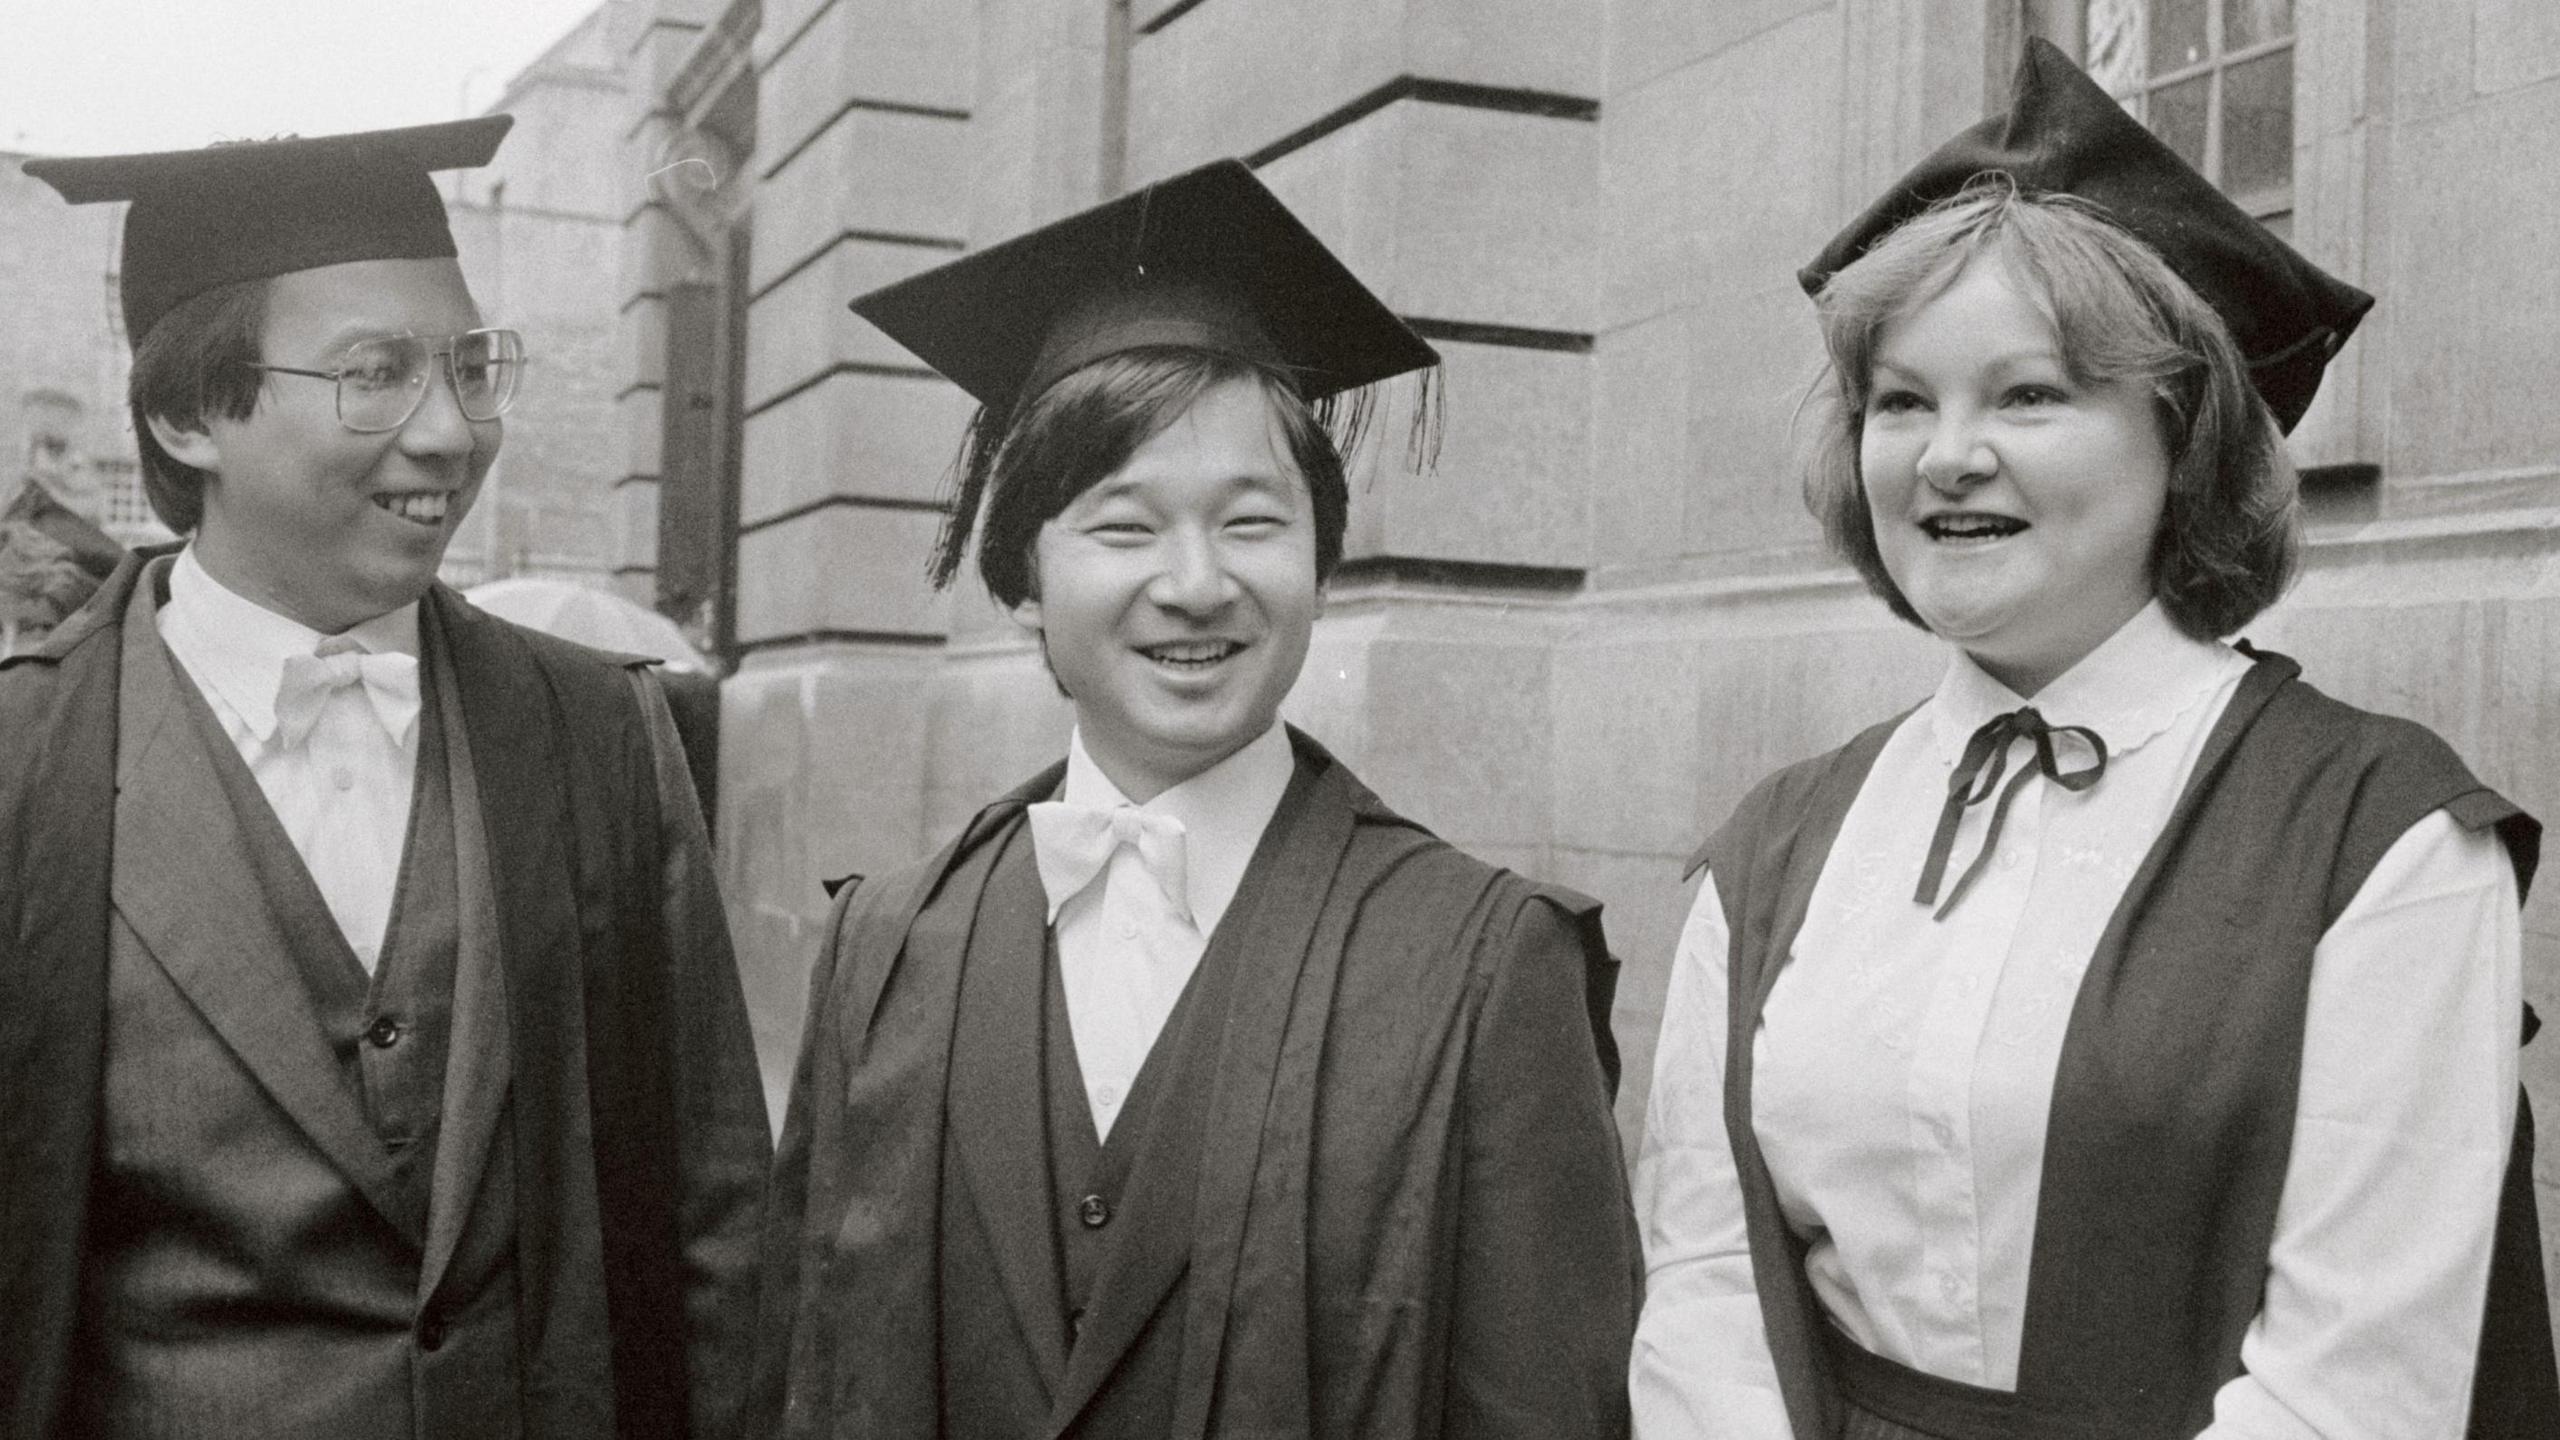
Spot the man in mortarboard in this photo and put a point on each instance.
(1190, 1090)
(375, 1057)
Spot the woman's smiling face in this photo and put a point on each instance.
(2014, 505)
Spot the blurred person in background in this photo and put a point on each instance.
(52, 559)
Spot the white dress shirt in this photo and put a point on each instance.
(1124, 954)
(343, 792)
(1904, 1067)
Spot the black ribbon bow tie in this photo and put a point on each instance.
(1986, 756)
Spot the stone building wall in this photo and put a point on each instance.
(62, 351)
(539, 231)
(1574, 645)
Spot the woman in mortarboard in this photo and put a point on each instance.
(1190, 1090)
(2122, 1043)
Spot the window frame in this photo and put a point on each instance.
(2066, 23)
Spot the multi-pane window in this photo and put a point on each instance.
(2213, 78)
(125, 512)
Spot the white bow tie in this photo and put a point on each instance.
(389, 678)
(1074, 842)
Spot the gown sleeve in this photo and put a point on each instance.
(723, 1142)
(2371, 1322)
(1546, 1255)
(1701, 1368)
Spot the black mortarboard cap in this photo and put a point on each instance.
(2064, 134)
(1209, 259)
(205, 218)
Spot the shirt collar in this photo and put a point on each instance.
(237, 647)
(1223, 809)
(2131, 689)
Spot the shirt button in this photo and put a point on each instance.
(1128, 929)
(1949, 1285)
(1108, 1094)
(343, 778)
(1094, 1211)
(383, 1033)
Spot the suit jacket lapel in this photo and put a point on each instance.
(1186, 1201)
(180, 881)
(477, 1065)
(995, 1100)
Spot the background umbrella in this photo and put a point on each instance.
(608, 622)
(591, 617)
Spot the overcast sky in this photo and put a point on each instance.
(87, 77)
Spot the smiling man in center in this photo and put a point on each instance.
(1190, 1090)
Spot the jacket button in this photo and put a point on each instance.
(431, 1332)
(1094, 1211)
(383, 1033)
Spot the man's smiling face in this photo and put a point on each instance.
(309, 518)
(1176, 596)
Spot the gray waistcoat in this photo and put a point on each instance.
(1014, 1014)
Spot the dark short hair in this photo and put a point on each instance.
(1022, 470)
(191, 366)
(2231, 530)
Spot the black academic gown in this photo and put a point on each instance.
(1397, 1209)
(616, 1071)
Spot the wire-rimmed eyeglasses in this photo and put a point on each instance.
(382, 381)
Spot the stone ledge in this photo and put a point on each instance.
(1478, 225)
(1507, 489)
(784, 575)
(897, 56)
(1207, 85)
(883, 171)
(855, 432)
(803, 329)
(1423, 89)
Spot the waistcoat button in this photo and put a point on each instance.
(384, 1032)
(1094, 1211)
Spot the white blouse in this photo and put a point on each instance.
(343, 791)
(1904, 1067)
